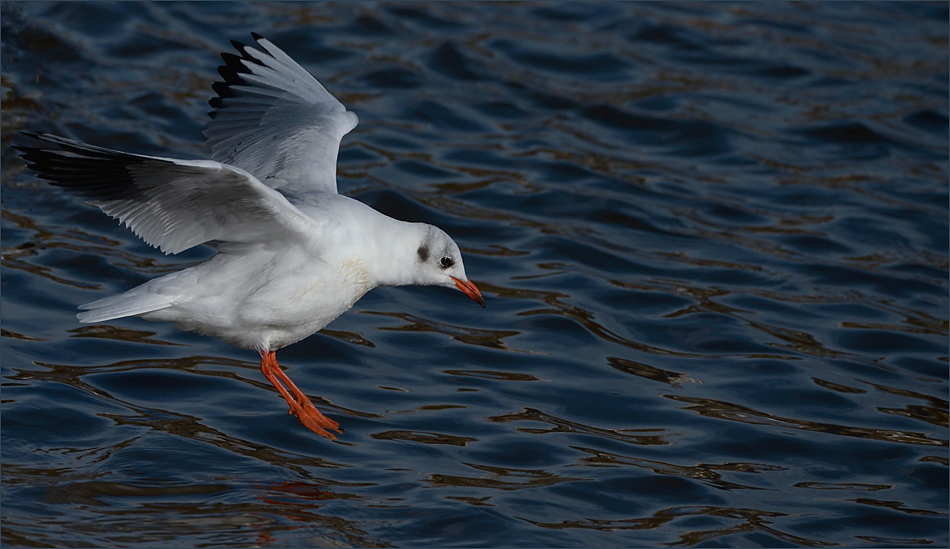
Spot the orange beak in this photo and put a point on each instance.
(470, 290)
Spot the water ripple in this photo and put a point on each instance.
(712, 238)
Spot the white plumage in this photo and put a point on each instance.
(292, 253)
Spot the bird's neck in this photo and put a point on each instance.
(395, 249)
(385, 247)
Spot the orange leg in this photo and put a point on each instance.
(299, 403)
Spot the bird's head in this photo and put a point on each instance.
(439, 263)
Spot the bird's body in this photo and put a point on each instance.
(265, 297)
(293, 254)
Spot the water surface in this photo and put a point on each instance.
(713, 238)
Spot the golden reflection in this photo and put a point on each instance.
(897, 506)
(15, 335)
(706, 473)
(609, 166)
(560, 425)
(936, 413)
(797, 340)
(918, 319)
(349, 337)
(681, 257)
(299, 491)
(650, 372)
(478, 502)
(743, 414)
(749, 520)
(843, 486)
(837, 387)
(885, 259)
(458, 188)
(942, 330)
(437, 407)
(704, 297)
(502, 478)
(496, 250)
(942, 460)
(920, 413)
(554, 269)
(895, 542)
(934, 401)
(493, 339)
(489, 374)
(755, 244)
(754, 229)
(425, 437)
(105, 331)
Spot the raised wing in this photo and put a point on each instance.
(171, 204)
(273, 119)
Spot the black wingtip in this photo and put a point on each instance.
(257, 37)
(232, 64)
(220, 88)
(32, 134)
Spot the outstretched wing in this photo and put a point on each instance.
(171, 204)
(273, 119)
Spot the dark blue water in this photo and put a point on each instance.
(713, 238)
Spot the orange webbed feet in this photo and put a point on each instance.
(299, 404)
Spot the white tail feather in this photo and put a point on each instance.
(132, 303)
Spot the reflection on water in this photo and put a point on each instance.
(493, 339)
(560, 425)
(425, 438)
(734, 412)
(704, 471)
(121, 334)
(713, 239)
(501, 478)
(748, 520)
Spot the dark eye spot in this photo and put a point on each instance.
(446, 262)
(423, 252)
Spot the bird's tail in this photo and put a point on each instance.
(136, 301)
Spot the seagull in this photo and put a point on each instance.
(292, 253)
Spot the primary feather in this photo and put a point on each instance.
(171, 204)
(273, 119)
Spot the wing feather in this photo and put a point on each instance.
(171, 204)
(273, 119)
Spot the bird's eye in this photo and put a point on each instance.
(446, 262)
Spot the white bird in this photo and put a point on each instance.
(292, 253)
